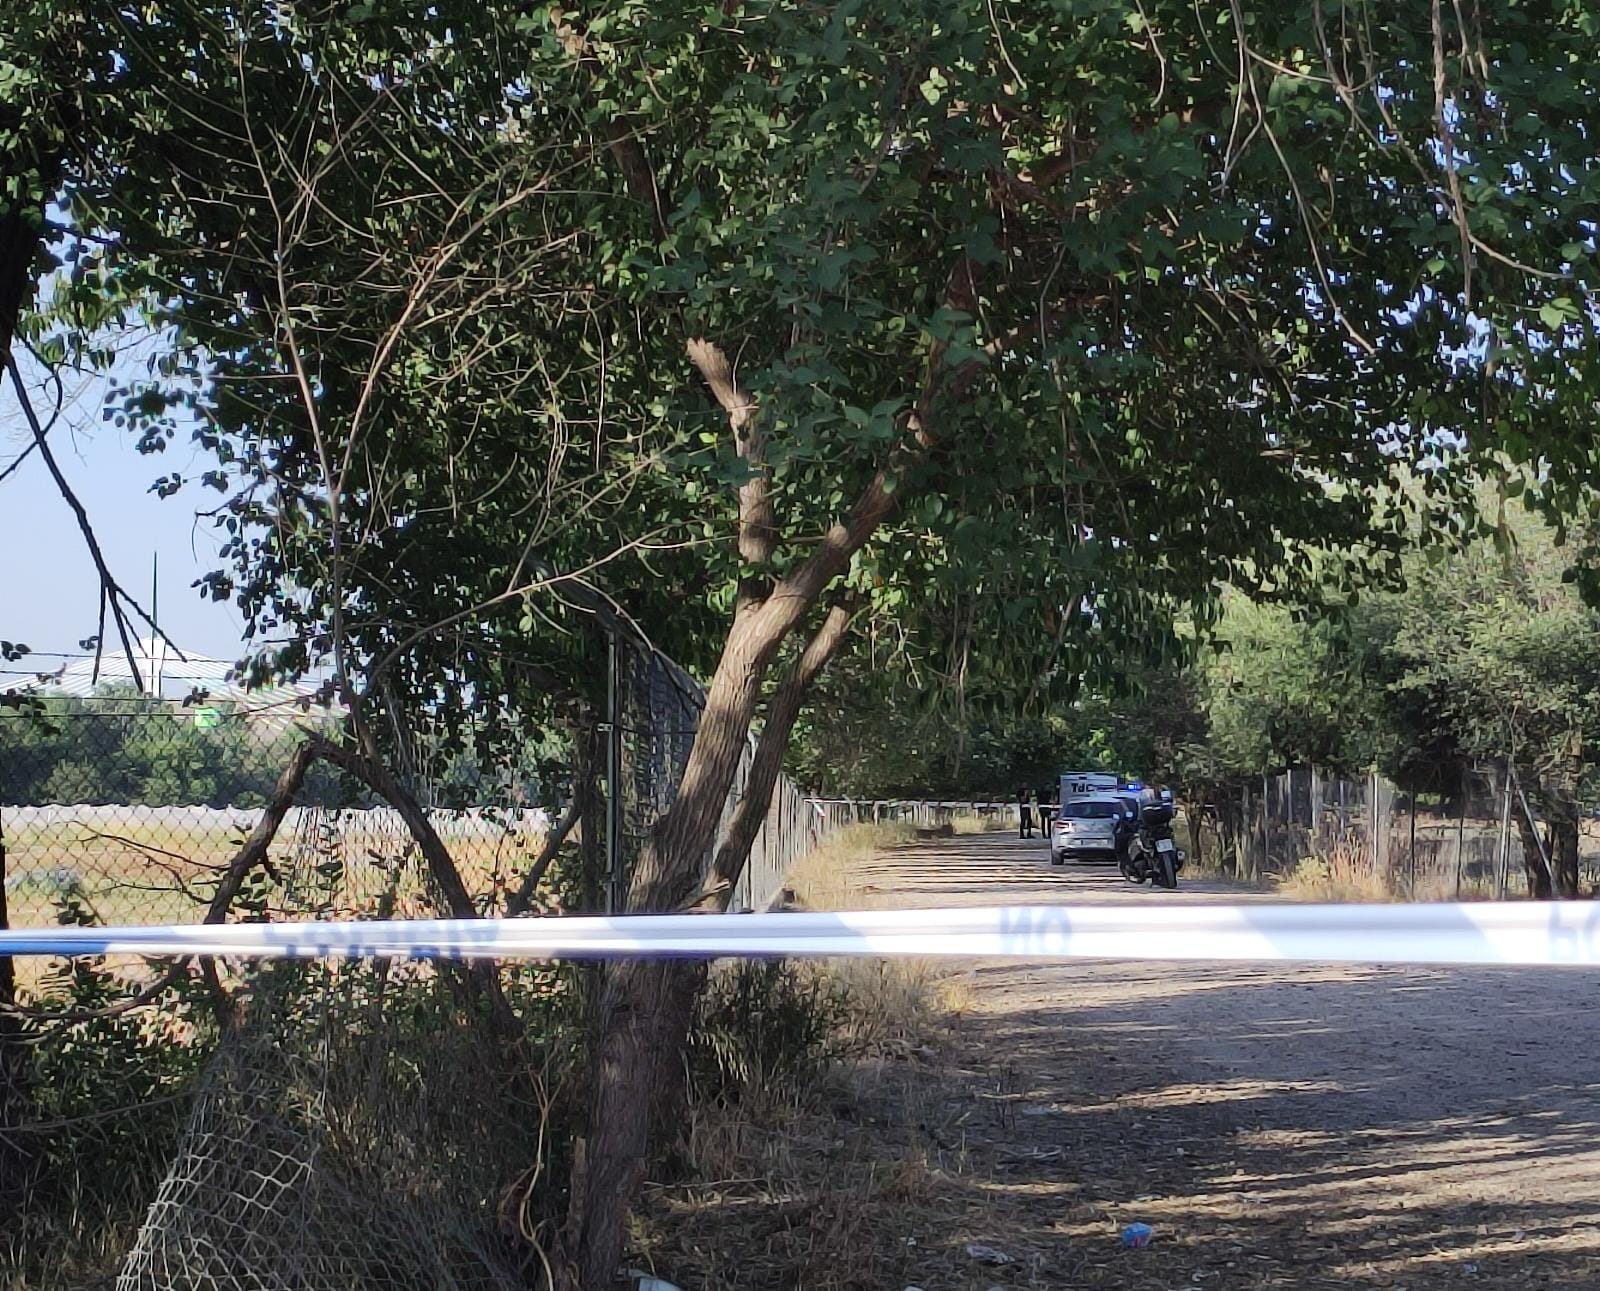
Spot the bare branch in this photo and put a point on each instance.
(523, 898)
(1447, 144)
(758, 532)
(751, 812)
(18, 460)
(111, 589)
(376, 673)
(254, 848)
(377, 777)
(1313, 244)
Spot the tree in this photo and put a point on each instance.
(1136, 301)
(1495, 654)
(990, 296)
(1293, 687)
(1487, 654)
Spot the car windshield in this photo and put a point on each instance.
(1089, 811)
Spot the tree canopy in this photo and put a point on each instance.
(430, 309)
(737, 321)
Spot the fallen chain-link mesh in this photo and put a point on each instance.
(325, 1150)
(353, 1130)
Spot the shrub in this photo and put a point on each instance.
(765, 1028)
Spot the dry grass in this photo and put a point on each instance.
(832, 1185)
(800, 1200)
(157, 865)
(1025, 1127)
(1345, 873)
(893, 1007)
(827, 879)
(1342, 873)
(859, 1178)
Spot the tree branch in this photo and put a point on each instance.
(1447, 147)
(378, 778)
(622, 139)
(112, 589)
(624, 143)
(758, 530)
(878, 500)
(480, 976)
(254, 849)
(523, 898)
(751, 813)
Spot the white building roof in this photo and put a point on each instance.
(168, 673)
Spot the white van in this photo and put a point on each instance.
(1087, 784)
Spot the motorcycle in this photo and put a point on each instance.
(1153, 855)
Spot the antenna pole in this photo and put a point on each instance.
(155, 631)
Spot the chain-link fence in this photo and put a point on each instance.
(351, 1132)
(218, 1126)
(656, 709)
(128, 810)
(305, 1126)
(1472, 842)
(117, 808)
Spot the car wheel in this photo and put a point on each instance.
(1056, 858)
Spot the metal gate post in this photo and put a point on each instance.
(616, 880)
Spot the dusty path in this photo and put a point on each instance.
(1280, 1126)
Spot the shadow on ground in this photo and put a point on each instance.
(1279, 1125)
(1324, 1178)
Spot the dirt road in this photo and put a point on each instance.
(1292, 1126)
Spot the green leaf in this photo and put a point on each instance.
(1553, 314)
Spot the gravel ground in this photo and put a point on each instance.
(1295, 1126)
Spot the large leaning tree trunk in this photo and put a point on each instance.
(645, 1004)
(645, 1007)
(687, 978)
(767, 764)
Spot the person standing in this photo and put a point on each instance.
(1025, 813)
(1046, 812)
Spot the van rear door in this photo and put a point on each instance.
(1086, 784)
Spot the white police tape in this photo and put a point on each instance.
(1507, 933)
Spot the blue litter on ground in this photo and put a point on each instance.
(1137, 1236)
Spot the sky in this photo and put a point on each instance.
(49, 593)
